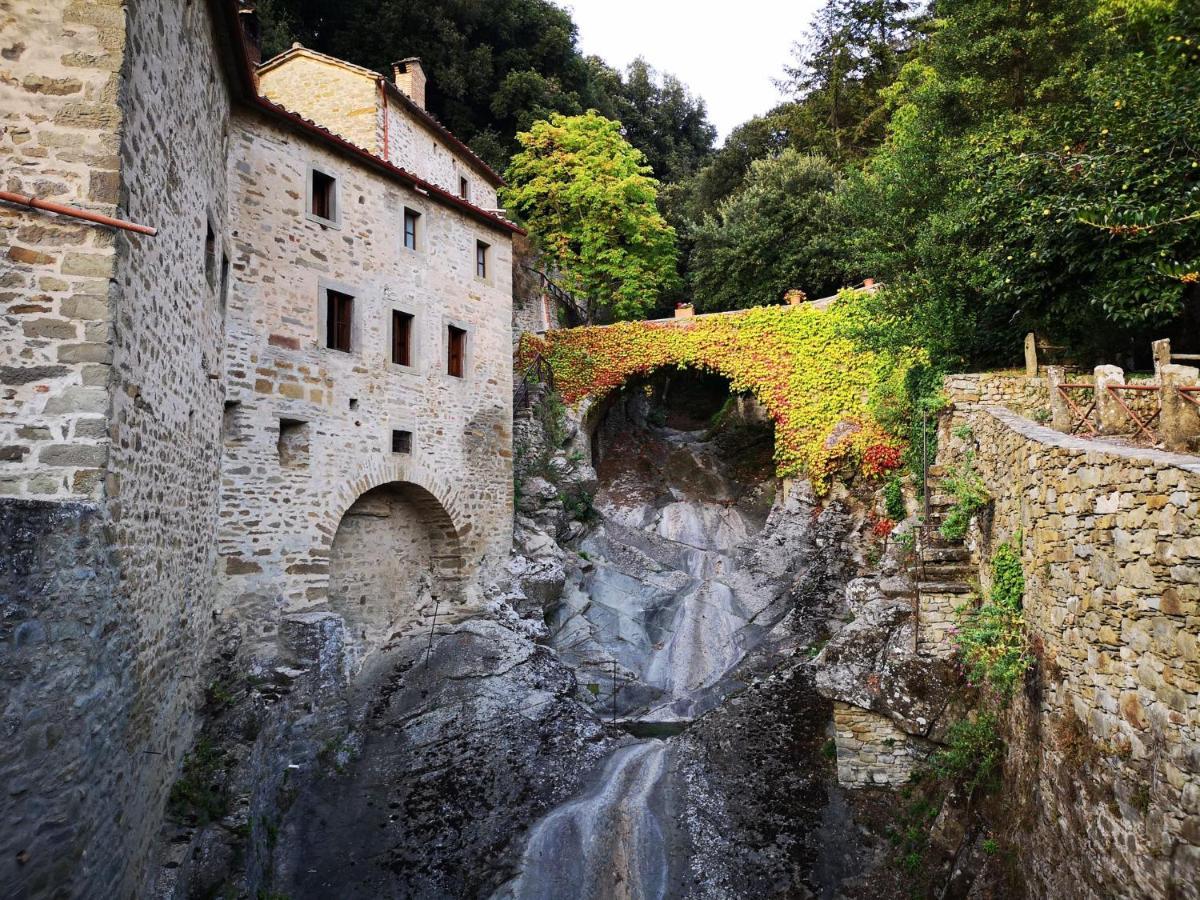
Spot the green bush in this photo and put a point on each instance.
(893, 499)
(970, 495)
(973, 753)
(991, 638)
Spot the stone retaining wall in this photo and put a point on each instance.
(871, 750)
(1110, 544)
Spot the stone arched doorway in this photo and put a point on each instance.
(395, 550)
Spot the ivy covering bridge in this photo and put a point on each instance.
(832, 401)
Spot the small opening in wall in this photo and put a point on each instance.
(229, 427)
(456, 349)
(354, 403)
(464, 188)
(410, 228)
(210, 253)
(224, 281)
(481, 259)
(401, 441)
(293, 443)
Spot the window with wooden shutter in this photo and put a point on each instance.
(401, 338)
(324, 196)
(456, 348)
(339, 320)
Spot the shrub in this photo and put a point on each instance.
(970, 495)
(991, 638)
(973, 753)
(893, 499)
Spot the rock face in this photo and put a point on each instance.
(460, 746)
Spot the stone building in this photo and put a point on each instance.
(291, 405)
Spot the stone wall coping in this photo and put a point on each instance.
(1048, 436)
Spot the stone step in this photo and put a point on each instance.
(895, 586)
(945, 572)
(945, 587)
(945, 554)
(937, 471)
(938, 500)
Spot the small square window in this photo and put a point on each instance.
(464, 188)
(402, 324)
(481, 259)
(293, 443)
(339, 320)
(456, 351)
(324, 196)
(401, 441)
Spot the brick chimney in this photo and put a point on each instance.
(410, 78)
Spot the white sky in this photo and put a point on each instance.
(727, 52)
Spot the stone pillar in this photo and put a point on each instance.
(1113, 419)
(1162, 354)
(1179, 423)
(1031, 360)
(1060, 413)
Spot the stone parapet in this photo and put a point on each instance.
(1110, 546)
(1029, 395)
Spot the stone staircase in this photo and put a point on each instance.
(943, 574)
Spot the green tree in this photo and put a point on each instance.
(496, 68)
(776, 234)
(589, 202)
(1027, 143)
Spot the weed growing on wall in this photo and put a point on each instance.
(970, 495)
(826, 394)
(991, 638)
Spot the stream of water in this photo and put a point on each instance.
(668, 605)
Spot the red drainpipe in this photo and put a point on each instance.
(64, 210)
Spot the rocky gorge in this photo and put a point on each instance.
(647, 702)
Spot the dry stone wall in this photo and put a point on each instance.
(1110, 545)
(1028, 395)
(871, 750)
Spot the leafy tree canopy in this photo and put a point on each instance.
(496, 68)
(778, 233)
(588, 200)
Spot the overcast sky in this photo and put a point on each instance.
(728, 52)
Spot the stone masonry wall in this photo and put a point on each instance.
(58, 111)
(871, 750)
(337, 96)
(279, 516)
(345, 99)
(414, 146)
(1018, 392)
(107, 603)
(1111, 553)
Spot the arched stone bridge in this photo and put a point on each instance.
(801, 363)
